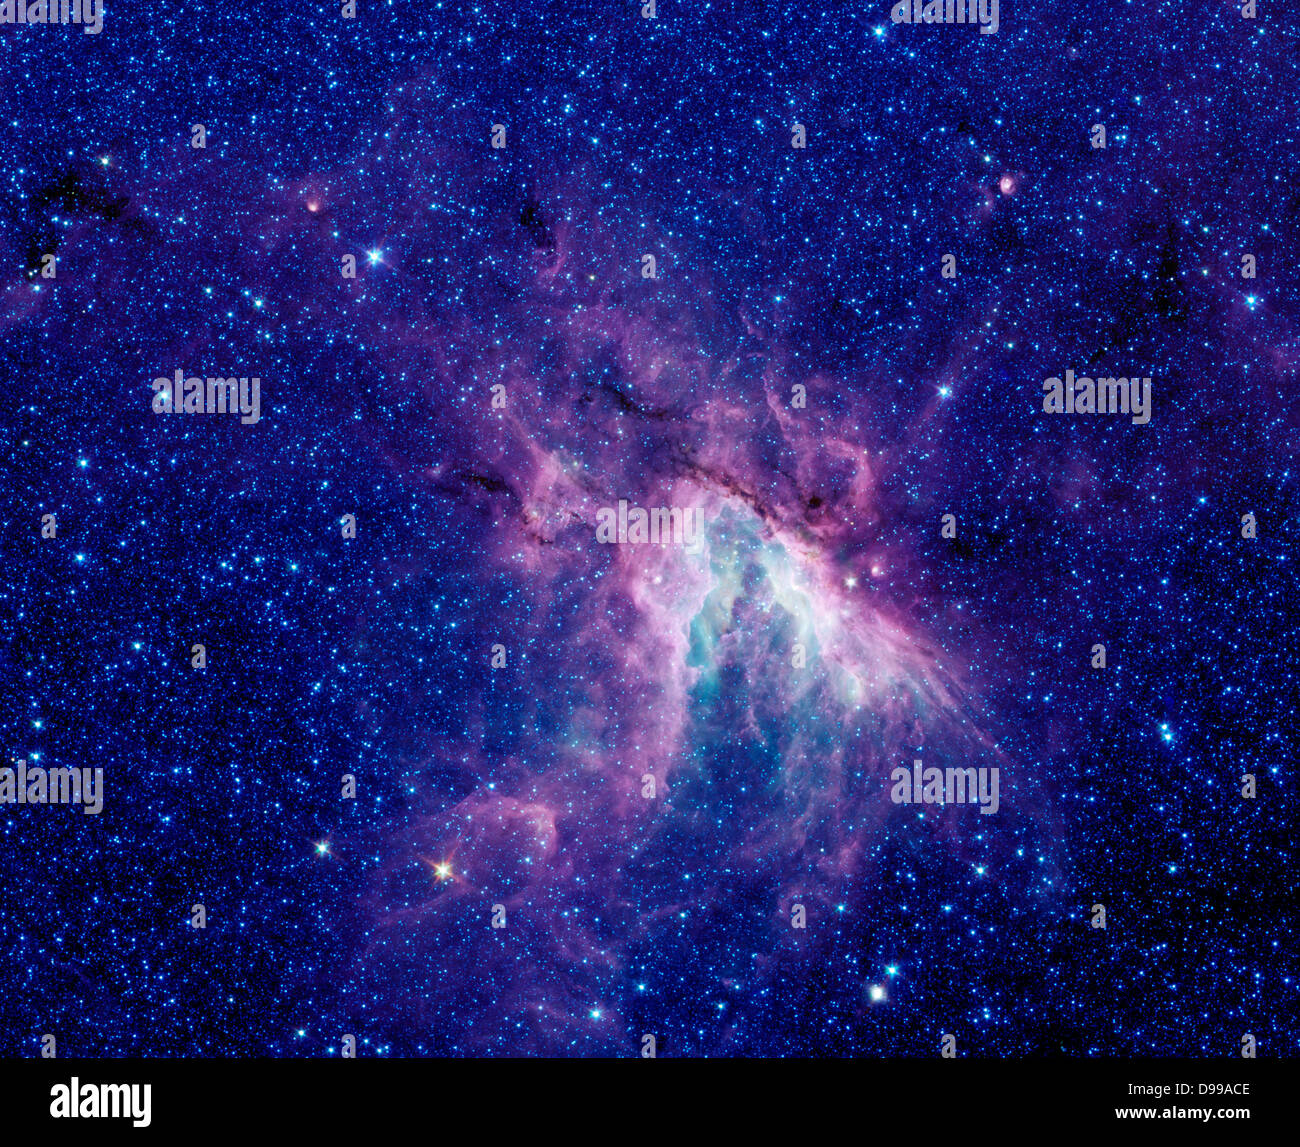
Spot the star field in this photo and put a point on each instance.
(497, 683)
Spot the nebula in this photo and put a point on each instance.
(760, 687)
